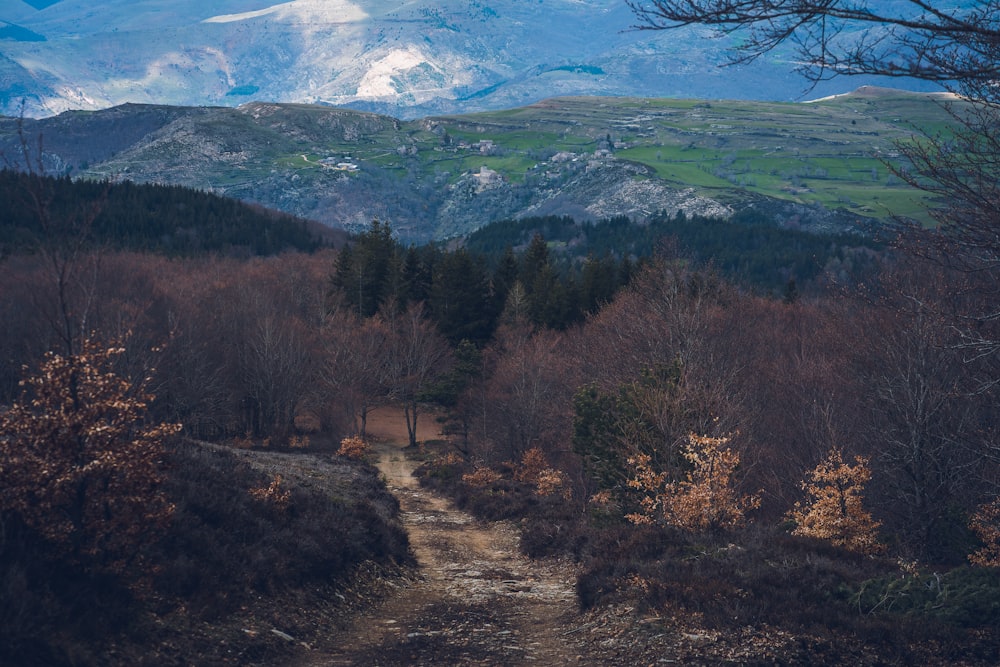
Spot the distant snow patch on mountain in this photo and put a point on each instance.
(406, 58)
(407, 71)
(306, 11)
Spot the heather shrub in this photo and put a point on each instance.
(235, 536)
(247, 532)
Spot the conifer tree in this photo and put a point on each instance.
(535, 260)
(460, 298)
(368, 273)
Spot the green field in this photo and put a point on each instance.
(836, 152)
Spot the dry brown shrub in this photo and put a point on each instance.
(533, 462)
(704, 500)
(243, 442)
(273, 494)
(552, 481)
(353, 447)
(79, 461)
(449, 459)
(986, 524)
(534, 469)
(298, 442)
(835, 511)
(481, 476)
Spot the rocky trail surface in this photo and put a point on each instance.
(476, 599)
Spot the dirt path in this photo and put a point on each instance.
(477, 601)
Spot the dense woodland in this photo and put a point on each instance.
(631, 410)
(169, 220)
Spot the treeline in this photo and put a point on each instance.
(276, 348)
(173, 220)
(748, 248)
(877, 374)
(466, 291)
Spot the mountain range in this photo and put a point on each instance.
(401, 58)
(824, 165)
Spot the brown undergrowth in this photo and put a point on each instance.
(756, 595)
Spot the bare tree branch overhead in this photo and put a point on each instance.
(957, 46)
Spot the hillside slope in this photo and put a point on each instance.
(445, 176)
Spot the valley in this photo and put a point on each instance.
(374, 333)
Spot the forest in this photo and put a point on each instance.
(640, 414)
(156, 218)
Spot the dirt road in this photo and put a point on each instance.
(477, 601)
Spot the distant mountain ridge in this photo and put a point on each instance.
(401, 59)
(814, 166)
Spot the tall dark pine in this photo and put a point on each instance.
(460, 298)
(504, 277)
(416, 274)
(367, 273)
(536, 259)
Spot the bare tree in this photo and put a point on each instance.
(928, 441)
(63, 242)
(418, 355)
(354, 369)
(524, 402)
(954, 45)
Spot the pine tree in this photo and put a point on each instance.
(369, 273)
(460, 298)
(504, 278)
(535, 260)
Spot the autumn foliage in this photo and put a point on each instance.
(986, 524)
(353, 447)
(274, 494)
(535, 469)
(705, 500)
(78, 462)
(835, 511)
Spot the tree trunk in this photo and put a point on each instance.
(411, 421)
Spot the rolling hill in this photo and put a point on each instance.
(816, 165)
